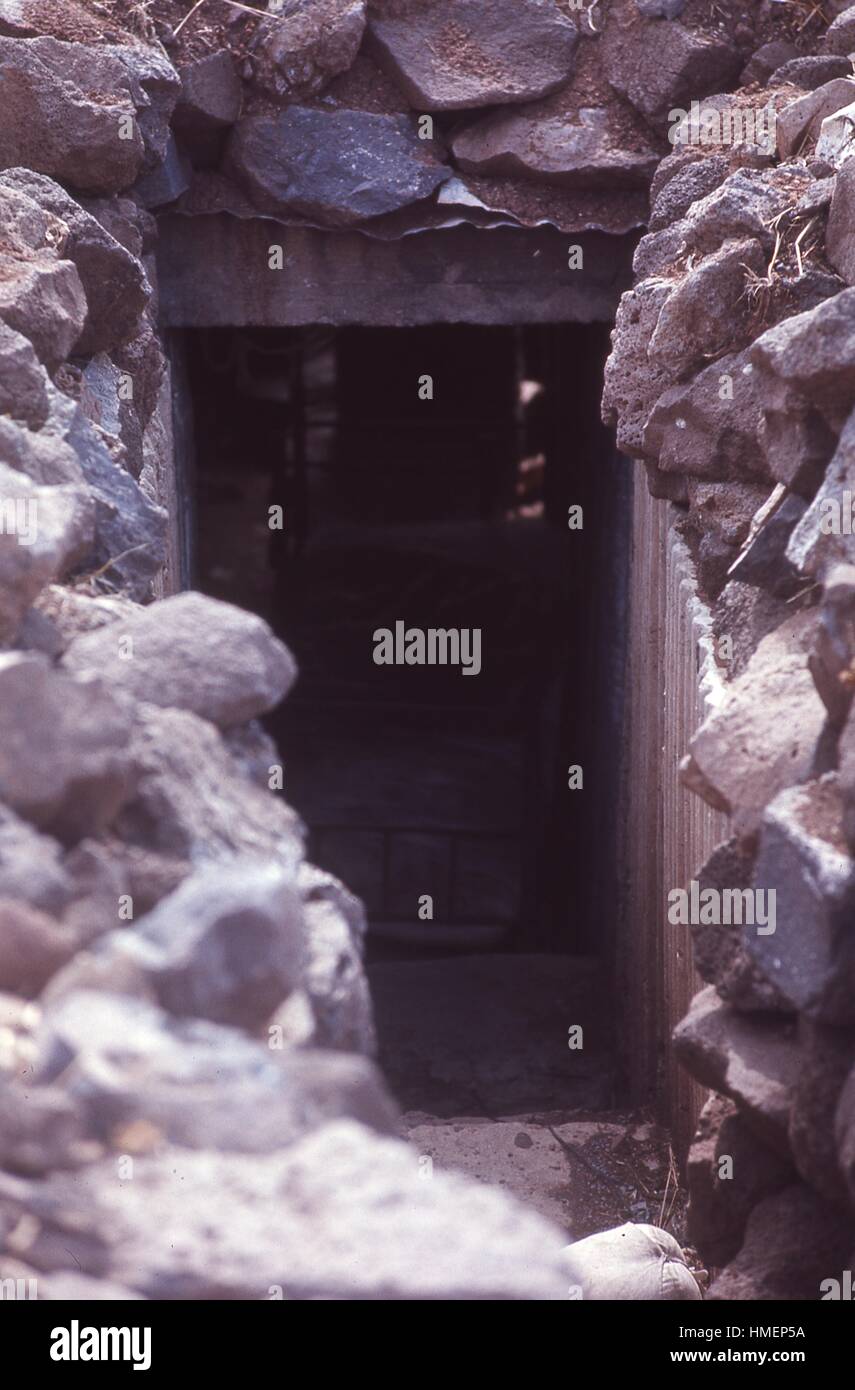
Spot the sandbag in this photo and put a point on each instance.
(630, 1262)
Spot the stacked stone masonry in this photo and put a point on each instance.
(133, 773)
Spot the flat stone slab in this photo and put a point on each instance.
(451, 54)
(338, 167)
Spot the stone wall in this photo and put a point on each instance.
(162, 940)
(732, 381)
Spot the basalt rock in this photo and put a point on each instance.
(191, 652)
(708, 428)
(113, 280)
(305, 44)
(823, 537)
(719, 953)
(840, 36)
(64, 763)
(33, 947)
(452, 54)
(46, 531)
(211, 94)
(342, 1213)
(804, 857)
(69, 111)
(793, 1242)
(840, 237)
(741, 757)
(663, 66)
(531, 143)
(333, 166)
(129, 1067)
(193, 800)
(754, 1060)
(227, 945)
(41, 295)
(23, 380)
(729, 1171)
(801, 120)
(828, 1056)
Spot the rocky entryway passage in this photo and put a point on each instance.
(504, 1071)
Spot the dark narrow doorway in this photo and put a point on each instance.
(352, 480)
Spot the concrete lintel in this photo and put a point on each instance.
(214, 271)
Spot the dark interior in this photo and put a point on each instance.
(442, 504)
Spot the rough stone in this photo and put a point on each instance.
(833, 654)
(660, 9)
(691, 177)
(840, 36)
(823, 536)
(632, 384)
(719, 954)
(45, 531)
(722, 510)
(343, 1214)
(40, 1130)
(335, 166)
(31, 868)
(33, 947)
(811, 72)
(753, 1059)
(166, 182)
(23, 393)
(804, 857)
(744, 615)
(708, 428)
(41, 296)
(334, 979)
(41, 455)
(660, 67)
(63, 748)
(801, 120)
(54, 124)
(530, 144)
(745, 758)
(766, 60)
(763, 558)
(129, 529)
(449, 55)
(707, 311)
(840, 237)
(192, 799)
(721, 1196)
(191, 652)
(155, 87)
(113, 280)
(227, 945)
(211, 93)
(106, 398)
(195, 1084)
(305, 44)
(794, 1240)
(828, 1055)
